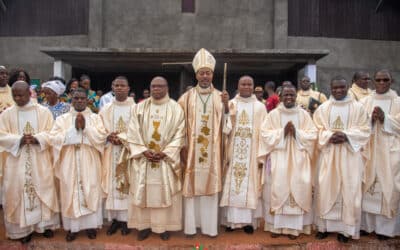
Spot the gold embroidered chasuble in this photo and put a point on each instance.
(115, 178)
(304, 97)
(341, 166)
(381, 187)
(243, 178)
(158, 125)
(357, 93)
(291, 165)
(29, 190)
(78, 164)
(203, 110)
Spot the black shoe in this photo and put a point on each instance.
(292, 237)
(248, 229)
(91, 233)
(124, 228)
(26, 239)
(190, 236)
(321, 235)
(164, 236)
(274, 235)
(113, 228)
(382, 237)
(48, 233)
(144, 234)
(229, 229)
(363, 233)
(70, 236)
(343, 239)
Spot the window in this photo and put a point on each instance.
(188, 6)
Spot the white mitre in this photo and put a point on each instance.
(203, 59)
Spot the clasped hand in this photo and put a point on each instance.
(154, 156)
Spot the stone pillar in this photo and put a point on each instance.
(280, 28)
(310, 70)
(62, 69)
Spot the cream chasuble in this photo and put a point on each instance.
(78, 167)
(357, 93)
(30, 196)
(202, 155)
(288, 193)
(381, 194)
(339, 196)
(115, 179)
(155, 199)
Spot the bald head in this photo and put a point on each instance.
(158, 87)
(21, 85)
(20, 92)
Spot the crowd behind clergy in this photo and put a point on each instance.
(297, 160)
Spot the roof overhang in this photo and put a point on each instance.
(273, 61)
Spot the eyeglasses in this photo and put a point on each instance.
(382, 80)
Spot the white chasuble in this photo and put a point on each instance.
(154, 177)
(28, 124)
(118, 197)
(204, 132)
(240, 163)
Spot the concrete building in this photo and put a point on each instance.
(268, 39)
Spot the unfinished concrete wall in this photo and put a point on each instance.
(215, 24)
(25, 52)
(349, 55)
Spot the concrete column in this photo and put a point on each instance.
(280, 29)
(95, 36)
(310, 70)
(62, 69)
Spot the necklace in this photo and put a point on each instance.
(204, 102)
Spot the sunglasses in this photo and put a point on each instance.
(382, 80)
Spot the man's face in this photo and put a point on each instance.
(85, 84)
(305, 83)
(363, 81)
(79, 101)
(259, 94)
(21, 96)
(204, 77)
(121, 89)
(146, 93)
(245, 87)
(339, 89)
(289, 97)
(382, 82)
(3, 77)
(158, 88)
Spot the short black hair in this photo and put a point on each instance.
(270, 85)
(338, 78)
(357, 75)
(81, 90)
(384, 71)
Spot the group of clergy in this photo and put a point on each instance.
(162, 166)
